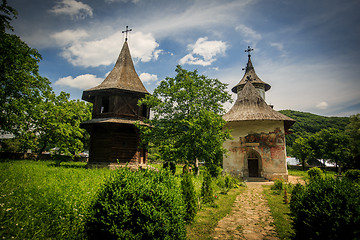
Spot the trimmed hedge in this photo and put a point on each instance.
(315, 173)
(353, 175)
(137, 205)
(207, 189)
(189, 196)
(326, 209)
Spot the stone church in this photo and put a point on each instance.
(258, 145)
(114, 139)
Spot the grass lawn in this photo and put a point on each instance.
(207, 218)
(280, 212)
(304, 175)
(298, 173)
(41, 201)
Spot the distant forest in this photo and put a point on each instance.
(308, 123)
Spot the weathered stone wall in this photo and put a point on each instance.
(262, 138)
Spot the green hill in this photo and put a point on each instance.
(308, 123)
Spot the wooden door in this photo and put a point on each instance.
(253, 164)
(253, 167)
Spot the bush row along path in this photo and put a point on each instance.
(250, 217)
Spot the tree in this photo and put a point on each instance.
(57, 124)
(187, 123)
(334, 145)
(21, 86)
(28, 107)
(328, 144)
(353, 130)
(301, 150)
(7, 13)
(308, 124)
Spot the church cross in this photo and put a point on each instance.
(126, 32)
(248, 50)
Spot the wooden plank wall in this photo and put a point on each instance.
(114, 142)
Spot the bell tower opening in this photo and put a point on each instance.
(105, 103)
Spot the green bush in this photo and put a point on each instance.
(213, 170)
(315, 173)
(170, 166)
(231, 182)
(137, 205)
(278, 185)
(189, 196)
(353, 175)
(207, 189)
(228, 182)
(326, 209)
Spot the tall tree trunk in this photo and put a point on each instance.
(197, 167)
(43, 148)
(303, 164)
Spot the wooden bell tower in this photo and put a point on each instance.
(114, 139)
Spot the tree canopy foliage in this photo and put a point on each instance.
(187, 123)
(334, 145)
(29, 108)
(308, 124)
(21, 85)
(353, 130)
(56, 124)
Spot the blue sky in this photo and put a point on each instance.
(308, 51)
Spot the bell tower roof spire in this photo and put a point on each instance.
(250, 74)
(122, 77)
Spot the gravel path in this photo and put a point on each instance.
(250, 217)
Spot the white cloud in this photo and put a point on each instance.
(249, 34)
(73, 8)
(69, 36)
(279, 46)
(124, 1)
(95, 53)
(322, 105)
(143, 46)
(203, 52)
(196, 15)
(147, 77)
(82, 81)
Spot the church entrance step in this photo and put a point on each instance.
(256, 179)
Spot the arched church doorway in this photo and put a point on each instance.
(254, 161)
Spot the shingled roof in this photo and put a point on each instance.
(251, 106)
(250, 74)
(122, 77)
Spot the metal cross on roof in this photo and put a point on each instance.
(126, 32)
(248, 50)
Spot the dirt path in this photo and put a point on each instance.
(250, 217)
(296, 179)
